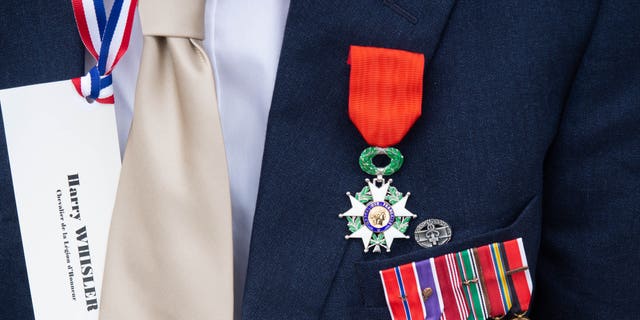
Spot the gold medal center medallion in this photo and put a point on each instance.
(379, 216)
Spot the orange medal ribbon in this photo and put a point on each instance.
(385, 93)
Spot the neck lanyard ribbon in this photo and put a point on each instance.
(385, 93)
(106, 40)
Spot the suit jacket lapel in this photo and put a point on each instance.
(311, 148)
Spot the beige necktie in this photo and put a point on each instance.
(170, 245)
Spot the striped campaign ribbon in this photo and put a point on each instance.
(480, 283)
(518, 275)
(402, 292)
(471, 284)
(430, 288)
(455, 306)
(494, 279)
(106, 40)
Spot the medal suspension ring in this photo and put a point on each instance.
(366, 161)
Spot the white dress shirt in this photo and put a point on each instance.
(243, 41)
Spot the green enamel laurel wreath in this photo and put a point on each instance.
(366, 161)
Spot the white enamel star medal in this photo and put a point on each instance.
(378, 214)
(385, 100)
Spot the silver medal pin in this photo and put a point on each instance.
(432, 232)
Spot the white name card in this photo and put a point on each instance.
(65, 164)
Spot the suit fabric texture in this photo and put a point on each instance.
(529, 129)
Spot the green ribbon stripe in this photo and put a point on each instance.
(471, 286)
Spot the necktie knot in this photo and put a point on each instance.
(172, 18)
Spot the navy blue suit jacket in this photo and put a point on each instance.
(530, 128)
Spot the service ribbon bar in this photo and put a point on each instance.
(430, 288)
(490, 281)
(455, 306)
(495, 280)
(402, 291)
(471, 284)
(518, 275)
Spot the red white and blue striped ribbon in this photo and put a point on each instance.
(402, 292)
(107, 40)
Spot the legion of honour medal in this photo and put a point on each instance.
(385, 100)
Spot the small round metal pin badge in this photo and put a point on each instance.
(426, 293)
(432, 232)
